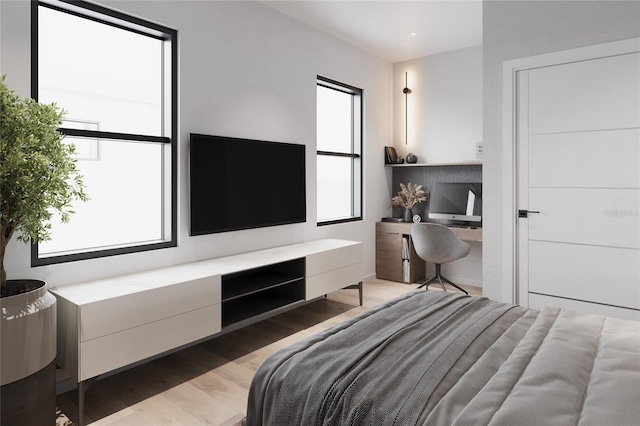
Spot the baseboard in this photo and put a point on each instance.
(369, 277)
(64, 382)
(465, 281)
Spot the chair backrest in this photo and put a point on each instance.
(437, 244)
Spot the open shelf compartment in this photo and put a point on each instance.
(239, 309)
(256, 291)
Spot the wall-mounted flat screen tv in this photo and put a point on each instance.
(239, 184)
(456, 203)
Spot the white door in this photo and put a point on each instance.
(578, 183)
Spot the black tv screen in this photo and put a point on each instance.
(242, 184)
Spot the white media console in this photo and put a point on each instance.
(108, 324)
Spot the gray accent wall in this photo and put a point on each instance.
(427, 176)
(517, 29)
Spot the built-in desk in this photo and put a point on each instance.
(396, 259)
(467, 233)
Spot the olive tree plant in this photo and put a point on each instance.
(38, 174)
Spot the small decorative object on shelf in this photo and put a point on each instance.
(409, 196)
(417, 218)
(391, 157)
(391, 219)
(407, 215)
(412, 158)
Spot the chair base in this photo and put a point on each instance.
(442, 279)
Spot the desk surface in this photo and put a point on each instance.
(464, 233)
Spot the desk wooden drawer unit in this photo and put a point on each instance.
(396, 258)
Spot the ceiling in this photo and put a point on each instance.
(384, 27)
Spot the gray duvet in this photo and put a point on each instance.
(432, 358)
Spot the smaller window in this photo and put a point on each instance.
(339, 152)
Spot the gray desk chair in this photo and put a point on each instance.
(438, 244)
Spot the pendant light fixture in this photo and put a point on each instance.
(406, 92)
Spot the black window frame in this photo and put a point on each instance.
(123, 21)
(357, 137)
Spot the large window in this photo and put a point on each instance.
(116, 78)
(339, 145)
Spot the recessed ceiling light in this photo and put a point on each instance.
(413, 34)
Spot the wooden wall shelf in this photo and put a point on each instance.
(462, 163)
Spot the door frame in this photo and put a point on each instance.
(510, 128)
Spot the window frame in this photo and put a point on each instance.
(136, 25)
(357, 137)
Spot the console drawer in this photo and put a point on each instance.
(331, 281)
(318, 263)
(108, 316)
(117, 350)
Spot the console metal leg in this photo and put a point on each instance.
(82, 388)
(81, 404)
(360, 288)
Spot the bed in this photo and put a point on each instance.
(438, 358)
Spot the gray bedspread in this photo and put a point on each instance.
(446, 359)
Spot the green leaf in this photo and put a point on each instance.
(38, 174)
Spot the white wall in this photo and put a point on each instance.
(245, 70)
(445, 106)
(516, 29)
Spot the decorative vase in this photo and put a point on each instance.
(407, 215)
(28, 368)
(412, 158)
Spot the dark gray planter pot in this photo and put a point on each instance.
(28, 351)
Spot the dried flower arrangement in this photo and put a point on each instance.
(409, 196)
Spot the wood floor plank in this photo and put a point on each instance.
(208, 384)
(128, 420)
(207, 408)
(162, 410)
(205, 361)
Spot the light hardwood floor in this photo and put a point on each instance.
(208, 384)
